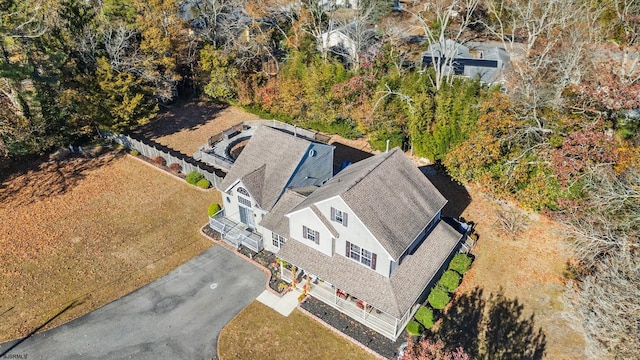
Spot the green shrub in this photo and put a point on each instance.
(134, 152)
(203, 183)
(425, 317)
(460, 263)
(213, 209)
(343, 127)
(414, 328)
(438, 298)
(193, 177)
(449, 280)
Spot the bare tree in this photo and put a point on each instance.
(606, 308)
(443, 23)
(604, 300)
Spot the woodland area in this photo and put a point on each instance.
(560, 137)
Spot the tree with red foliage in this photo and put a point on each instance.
(427, 349)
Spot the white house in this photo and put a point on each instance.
(368, 241)
(271, 162)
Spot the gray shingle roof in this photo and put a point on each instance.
(275, 219)
(325, 221)
(266, 164)
(394, 295)
(393, 199)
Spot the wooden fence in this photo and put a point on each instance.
(152, 149)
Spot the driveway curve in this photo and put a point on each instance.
(178, 316)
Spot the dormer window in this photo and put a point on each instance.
(339, 216)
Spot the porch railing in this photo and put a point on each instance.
(381, 322)
(253, 244)
(216, 224)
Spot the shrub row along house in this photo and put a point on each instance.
(368, 241)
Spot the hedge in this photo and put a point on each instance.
(460, 263)
(203, 183)
(134, 152)
(425, 317)
(438, 298)
(414, 328)
(449, 281)
(193, 177)
(213, 209)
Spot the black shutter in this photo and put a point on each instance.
(304, 232)
(344, 218)
(348, 252)
(333, 214)
(373, 261)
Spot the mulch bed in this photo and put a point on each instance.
(354, 329)
(264, 258)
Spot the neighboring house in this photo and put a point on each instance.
(272, 162)
(332, 4)
(339, 43)
(350, 42)
(369, 241)
(485, 62)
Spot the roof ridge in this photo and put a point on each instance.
(384, 158)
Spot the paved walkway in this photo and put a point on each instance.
(178, 316)
(284, 305)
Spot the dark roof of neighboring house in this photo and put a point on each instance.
(266, 164)
(275, 220)
(394, 295)
(388, 193)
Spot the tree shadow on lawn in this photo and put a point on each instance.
(31, 181)
(491, 328)
(184, 114)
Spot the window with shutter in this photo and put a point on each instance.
(361, 255)
(310, 234)
(339, 216)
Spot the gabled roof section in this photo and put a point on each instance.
(388, 193)
(266, 164)
(275, 220)
(254, 181)
(394, 295)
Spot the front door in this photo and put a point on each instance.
(246, 217)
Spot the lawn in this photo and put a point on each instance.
(527, 270)
(81, 233)
(258, 332)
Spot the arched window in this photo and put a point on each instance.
(243, 191)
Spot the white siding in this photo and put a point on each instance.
(356, 233)
(307, 218)
(230, 201)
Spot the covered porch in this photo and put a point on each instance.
(235, 233)
(355, 308)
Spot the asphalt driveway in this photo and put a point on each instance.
(178, 316)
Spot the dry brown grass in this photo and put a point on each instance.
(258, 332)
(185, 127)
(527, 268)
(90, 231)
